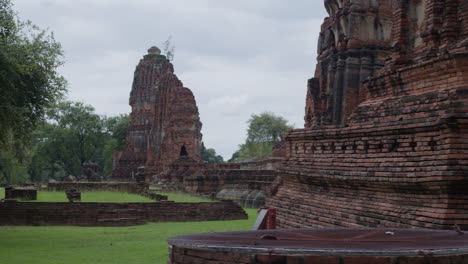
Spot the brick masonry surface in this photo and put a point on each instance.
(385, 142)
(20, 193)
(164, 122)
(13, 212)
(188, 255)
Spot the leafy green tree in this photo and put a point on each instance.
(209, 155)
(11, 170)
(116, 129)
(234, 157)
(263, 132)
(74, 137)
(29, 81)
(116, 126)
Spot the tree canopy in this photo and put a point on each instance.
(209, 155)
(263, 132)
(75, 135)
(29, 81)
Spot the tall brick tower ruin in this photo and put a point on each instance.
(164, 123)
(385, 142)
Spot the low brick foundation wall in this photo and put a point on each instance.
(213, 181)
(271, 163)
(114, 214)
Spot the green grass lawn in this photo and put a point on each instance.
(103, 245)
(114, 197)
(94, 196)
(98, 245)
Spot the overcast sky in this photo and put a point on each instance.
(239, 57)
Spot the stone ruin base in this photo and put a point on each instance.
(73, 195)
(20, 193)
(322, 246)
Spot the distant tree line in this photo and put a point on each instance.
(72, 135)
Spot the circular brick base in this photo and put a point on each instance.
(323, 246)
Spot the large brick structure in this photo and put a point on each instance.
(385, 142)
(164, 123)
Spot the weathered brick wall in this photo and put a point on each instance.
(271, 163)
(213, 181)
(401, 162)
(400, 158)
(20, 193)
(353, 45)
(114, 214)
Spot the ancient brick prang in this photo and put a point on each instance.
(352, 46)
(399, 156)
(164, 123)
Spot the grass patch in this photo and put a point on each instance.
(117, 197)
(113, 197)
(104, 245)
(143, 244)
(95, 196)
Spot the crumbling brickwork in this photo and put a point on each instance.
(352, 46)
(212, 181)
(246, 183)
(391, 151)
(114, 214)
(164, 123)
(20, 193)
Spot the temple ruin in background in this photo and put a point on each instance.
(164, 122)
